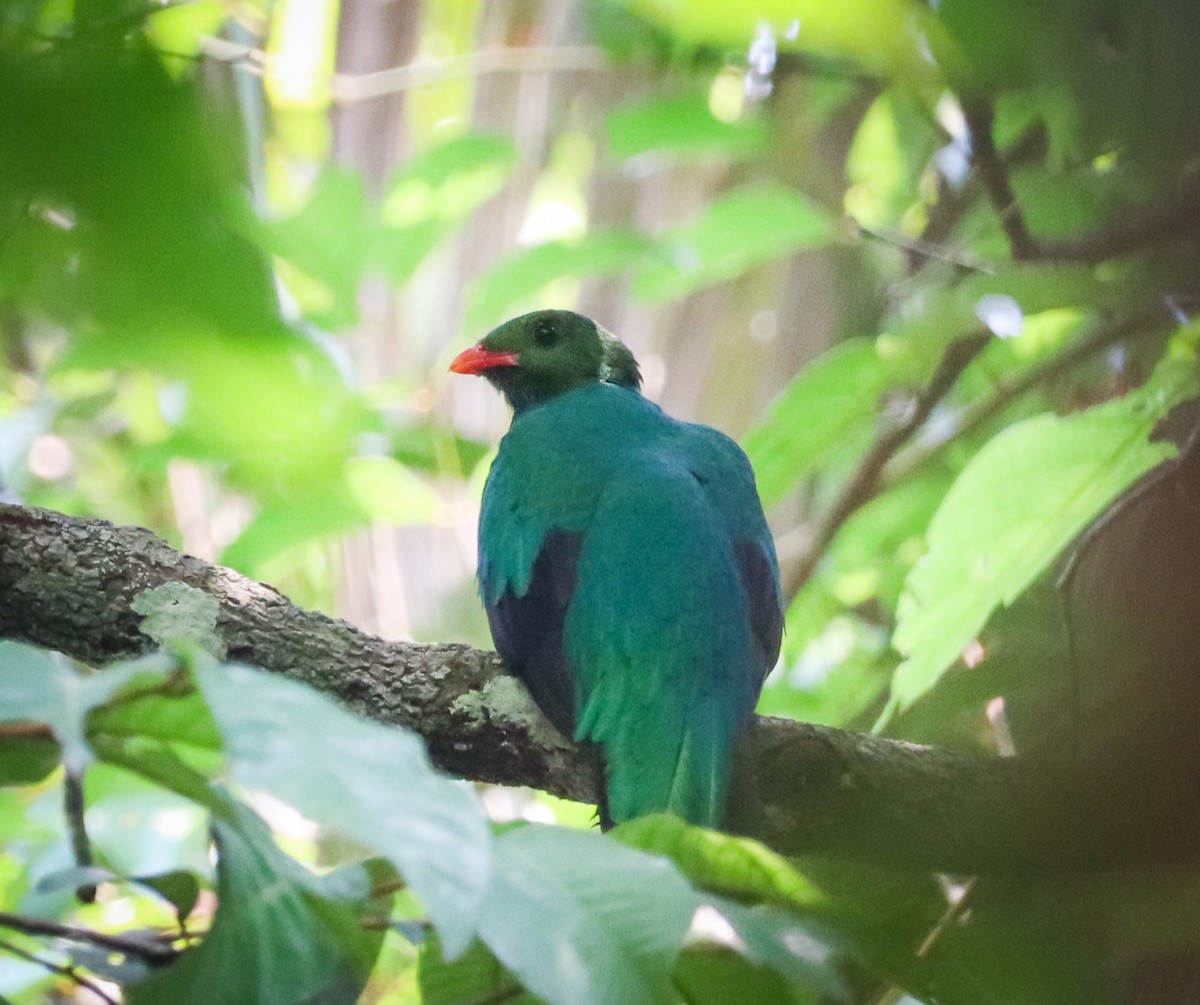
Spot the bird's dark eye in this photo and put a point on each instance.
(545, 333)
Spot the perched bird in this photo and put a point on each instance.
(628, 574)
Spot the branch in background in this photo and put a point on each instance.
(153, 953)
(1149, 321)
(863, 483)
(349, 88)
(883, 465)
(1147, 226)
(990, 167)
(70, 973)
(68, 583)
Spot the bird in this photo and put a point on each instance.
(626, 567)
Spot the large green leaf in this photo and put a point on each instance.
(743, 228)
(579, 918)
(371, 782)
(1014, 508)
(828, 407)
(281, 936)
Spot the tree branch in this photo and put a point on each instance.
(863, 483)
(69, 584)
(1165, 223)
(152, 952)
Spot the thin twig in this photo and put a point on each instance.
(55, 968)
(993, 173)
(1174, 220)
(349, 88)
(1108, 333)
(1146, 226)
(81, 847)
(148, 951)
(864, 482)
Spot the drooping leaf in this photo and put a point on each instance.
(714, 861)
(741, 229)
(1014, 508)
(281, 936)
(831, 405)
(371, 782)
(579, 918)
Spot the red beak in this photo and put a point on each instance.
(477, 359)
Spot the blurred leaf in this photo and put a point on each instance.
(370, 489)
(388, 491)
(579, 918)
(737, 867)
(273, 404)
(885, 36)
(739, 230)
(328, 238)
(280, 937)
(26, 760)
(476, 976)
(824, 411)
(41, 686)
(889, 153)
(993, 533)
(432, 196)
(521, 275)
(370, 782)
(795, 948)
(182, 28)
(708, 975)
(179, 888)
(174, 718)
(451, 181)
(681, 125)
(138, 827)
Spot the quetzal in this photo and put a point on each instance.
(628, 574)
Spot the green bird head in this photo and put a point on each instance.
(538, 356)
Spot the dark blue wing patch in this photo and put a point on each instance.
(761, 584)
(528, 630)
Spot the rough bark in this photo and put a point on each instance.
(72, 584)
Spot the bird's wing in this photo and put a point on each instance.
(528, 629)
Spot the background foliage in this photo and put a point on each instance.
(931, 263)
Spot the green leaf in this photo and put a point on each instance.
(476, 976)
(41, 686)
(820, 414)
(367, 489)
(743, 228)
(371, 782)
(432, 196)
(796, 949)
(1016, 505)
(520, 276)
(328, 238)
(681, 125)
(281, 936)
(738, 867)
(579, 918)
